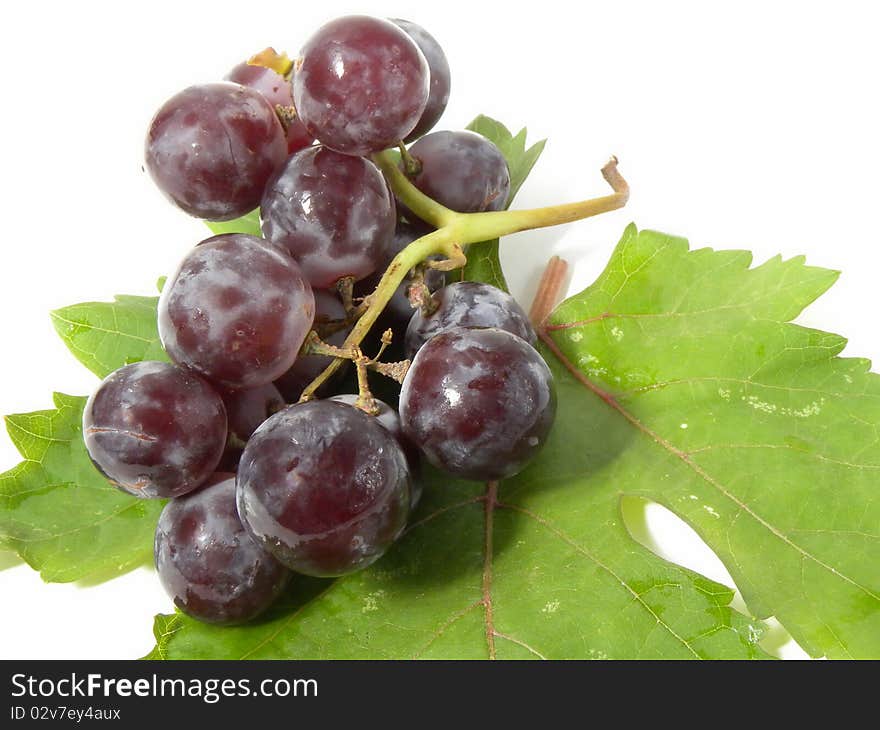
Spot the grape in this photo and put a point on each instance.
(438, 96)
(154, 429)
(361, 84)
(267, 81)
(479, 403)
(211, 149)
(333, 212)
(390, 420)
(308, 367)
(276, 89)
(324, 487)
(236, 311)
(208, 563)
(468, 304)
(245, 411)
(462, 170)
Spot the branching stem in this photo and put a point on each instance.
(454, 232)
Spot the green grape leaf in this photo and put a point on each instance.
(248, 223)
(483, 261)
(520, 160)
(58, 513)
(104, 336)
(681, 380)
(748, 427)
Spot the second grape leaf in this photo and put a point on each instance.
(104, 336)
(680, 380)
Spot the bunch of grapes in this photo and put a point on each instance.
(265, 483)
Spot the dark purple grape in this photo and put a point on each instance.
(154, 429)
(438, 66)
(361, 84)
(462, 170)
(333, 212)
(245, 411)
(328, 307)
(211, 149)
(479, 403)
(208, 563)
(324, 487)
(276, 89)
(390, 420)
(468, 304)
(237, 311)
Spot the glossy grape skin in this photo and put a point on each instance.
(361, 84)
(462, 170)
(245, 411)
(276, 89)
(390, 420)
(324, 487)
(438, 66)
(236, 311)
(479, 403)
(211, 149)
(469, 304)
(208, 563)
(154, 429)
(333, 212)
(328, 307)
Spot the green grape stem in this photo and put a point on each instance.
(456, 230)
(412, 166)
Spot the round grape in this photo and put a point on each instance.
(245, 411)
(361, 84)
(333, 212)
(328, 307)
(324, 487)
(208, 563)
(154, 429)
(236, 311)
(211, 149)
(438, 66)
(479, 403)
(468, 304)
(276, 89)
(390, 420)
(462, 170)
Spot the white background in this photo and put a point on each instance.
(750, 125)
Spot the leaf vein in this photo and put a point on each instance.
(702, 473)
(587, 554)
